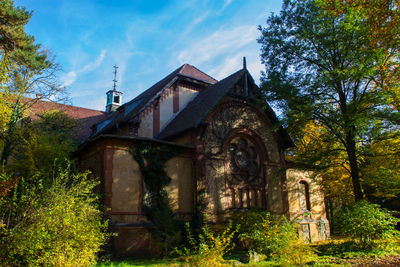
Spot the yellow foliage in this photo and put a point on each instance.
(6, 100)
(315, 141)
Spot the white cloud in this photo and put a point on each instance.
(70, 77)
(93, 65)
(219, 43)
(195, 22)
(228, 66)
(226, 4)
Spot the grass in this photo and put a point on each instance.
(335, 252)
(141, 262)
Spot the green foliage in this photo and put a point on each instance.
(15, 43)
(381, 169)
(209, 248)
(26, 70)
(275, 237)
(42, 148)
(56, 123)
(321, 71)
(368, 223)
(44, 144)
(164, 226)
(65, 228)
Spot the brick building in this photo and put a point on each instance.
(233, 153)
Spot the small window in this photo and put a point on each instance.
(116, 99)
(304, 196)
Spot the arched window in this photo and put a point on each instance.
(244, 161)
(244, 172)
(304, 196)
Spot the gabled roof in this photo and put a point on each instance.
(196, 111)
(130, 109)
(200, 106)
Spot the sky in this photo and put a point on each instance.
(146, 39)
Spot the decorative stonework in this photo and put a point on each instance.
(244, 162)
(238, 171)
(245, 155)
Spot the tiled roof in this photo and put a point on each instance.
(201, 105)
(132, 107)
(195, 111)
(205, 101)
(194, 72)
(86, 117)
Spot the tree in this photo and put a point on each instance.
(314, 146)
(27, 73)
(13, 39)
(44, 148)
(44, 144)
(381, 169)
(382, 18)
(320, 70)
(382, 24)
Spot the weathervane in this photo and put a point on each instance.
(115, 77)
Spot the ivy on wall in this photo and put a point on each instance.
(163, 222)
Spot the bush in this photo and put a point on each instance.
(208, 248)
(275, 237)
(66, 229)
(365, 222)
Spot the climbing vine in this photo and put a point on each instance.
(163, 222)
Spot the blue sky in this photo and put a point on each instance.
(146, 39)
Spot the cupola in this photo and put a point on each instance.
(114, 97)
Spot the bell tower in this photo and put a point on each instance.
(114, 97)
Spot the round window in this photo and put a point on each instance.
(244, 161)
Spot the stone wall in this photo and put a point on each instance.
(235, 118)
(110, 160)
(126, 187)
(307, 208)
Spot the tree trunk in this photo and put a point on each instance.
(355, 178)
(350, 143)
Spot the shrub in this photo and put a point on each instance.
(366, 222)
(208, 248)
(275, 237)
(66, 229)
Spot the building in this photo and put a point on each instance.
(232, 155)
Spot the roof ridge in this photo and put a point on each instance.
(182, 67)
(66, 105)
(195, 111)
(194, 67)
(147, 96)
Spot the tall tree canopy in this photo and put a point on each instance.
(381, 22)
(322, 69)
(26, 70)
